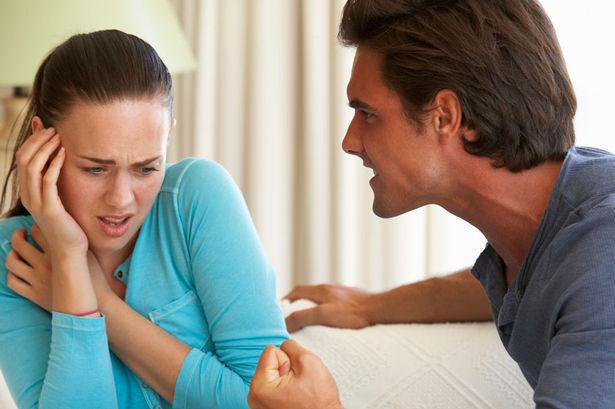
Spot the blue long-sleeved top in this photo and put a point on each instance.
(197, 270)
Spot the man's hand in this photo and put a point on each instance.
(292, 377)
(338, 306)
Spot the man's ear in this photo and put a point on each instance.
(37, 124)
(447, 117)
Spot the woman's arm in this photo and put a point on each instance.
(38, 168)
(152, 353)
(77, 361)
(51, 360)
(235, 284)
(134, 339)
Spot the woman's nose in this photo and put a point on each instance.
(119, 194)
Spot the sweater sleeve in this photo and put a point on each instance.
(236, 287)
(51, 360)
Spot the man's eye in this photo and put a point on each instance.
(366, 115)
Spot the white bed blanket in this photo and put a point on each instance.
(434, 366)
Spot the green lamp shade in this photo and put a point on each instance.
(29, 29)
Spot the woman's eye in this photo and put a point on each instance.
(94, 171)
(147, 171)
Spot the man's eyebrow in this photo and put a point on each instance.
(112, 162)
(357, 103)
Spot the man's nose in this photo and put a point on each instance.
(352, 143)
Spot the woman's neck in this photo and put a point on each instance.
(110, 260)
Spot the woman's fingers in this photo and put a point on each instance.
(26, 251)
(38, 237)
(50, 180)
(19, 268)
(21, 246)
(18, 285)
(33, 144)
(34, 170)
(24, 156)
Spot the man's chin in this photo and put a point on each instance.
(383, 211)
(387, 210)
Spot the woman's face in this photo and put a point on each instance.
(114, 167)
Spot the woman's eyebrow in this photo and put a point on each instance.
(112, 162)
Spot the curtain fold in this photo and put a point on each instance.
(268, 101)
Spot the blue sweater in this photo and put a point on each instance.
(197, 270)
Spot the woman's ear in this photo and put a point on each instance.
(37, 124)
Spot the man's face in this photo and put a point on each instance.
(405, 162)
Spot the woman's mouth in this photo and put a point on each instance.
(114, 226)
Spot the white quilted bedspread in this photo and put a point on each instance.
(434, 366)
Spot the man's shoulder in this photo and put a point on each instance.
(583, 253)
(590, 225)
(588, 177)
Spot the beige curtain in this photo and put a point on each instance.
(268, 102)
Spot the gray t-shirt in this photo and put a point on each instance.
(557, 319)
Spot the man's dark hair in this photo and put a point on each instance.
(501, 58)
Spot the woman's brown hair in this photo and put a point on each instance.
(500, 57)
(94, 68)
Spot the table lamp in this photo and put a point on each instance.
(29, 29)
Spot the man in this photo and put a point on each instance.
(467, 104)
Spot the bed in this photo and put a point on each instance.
(447, 366)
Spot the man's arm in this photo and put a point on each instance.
(457, 297)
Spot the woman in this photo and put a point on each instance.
(151, 288)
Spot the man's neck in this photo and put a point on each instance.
(506, 207)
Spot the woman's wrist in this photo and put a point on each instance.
(107, 301)
(65, 261)
(71, 286)
(89, 314)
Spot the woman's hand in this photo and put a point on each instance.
(30, 271)
(38, 169)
